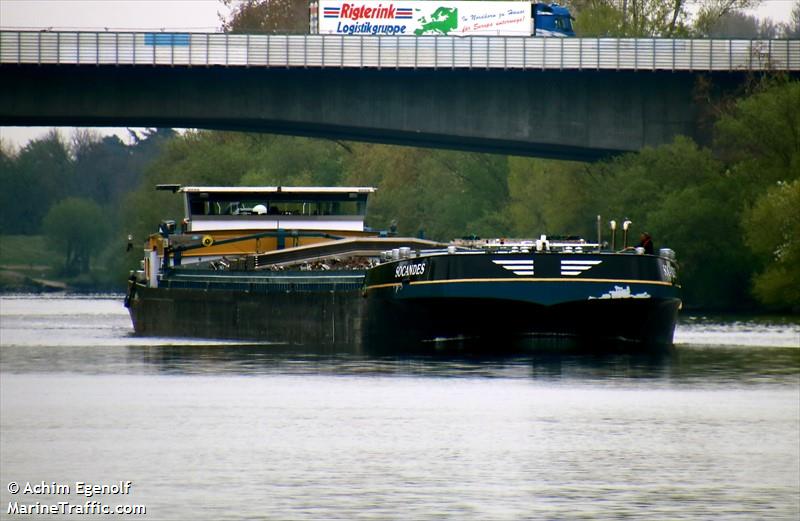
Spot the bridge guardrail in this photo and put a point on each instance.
(395, 52)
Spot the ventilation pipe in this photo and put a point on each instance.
(613, 235)
(625, 225)
(599, 233)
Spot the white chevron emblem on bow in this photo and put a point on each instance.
(576, 267)
(517, 266)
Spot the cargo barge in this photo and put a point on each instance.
(296, 265)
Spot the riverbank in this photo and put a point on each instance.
(28, 264)
(17, 279)
(24, 280)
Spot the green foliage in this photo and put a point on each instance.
(632, 18)
(792, 28)
(49, 171)
(652, 18)
(761, 134)
(701, 223)
(23, 250)
(598, 19)
(444, 194)
(77, 227)
(760, 137)
(289, 161)
(9, 182)
(223, 158)
(772, 229)
(106, 169)
(32, 181)
(633, 184)
(678, 192)
(550, 197)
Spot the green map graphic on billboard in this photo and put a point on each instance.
(442, 21)
(415, 18)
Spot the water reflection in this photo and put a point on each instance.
(702, 365)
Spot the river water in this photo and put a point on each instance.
(221, 430)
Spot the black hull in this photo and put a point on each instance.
(348, 319)
(415, 305)
(591, 324)
(595, 298)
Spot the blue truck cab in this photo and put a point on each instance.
(551, 20)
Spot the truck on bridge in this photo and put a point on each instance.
(447, 18)
(551, 20)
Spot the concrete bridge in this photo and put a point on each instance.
(564, 98)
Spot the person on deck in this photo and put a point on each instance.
(646, 242)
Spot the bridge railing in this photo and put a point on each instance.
(400, 52)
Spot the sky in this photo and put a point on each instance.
(176, 15)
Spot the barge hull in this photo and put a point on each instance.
(600, 322)
(346, 318)
(293, 317)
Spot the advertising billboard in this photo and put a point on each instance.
(418, 18)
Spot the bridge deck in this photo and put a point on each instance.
(396, 52)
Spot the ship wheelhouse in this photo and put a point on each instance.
(336, 209)
(240, 221)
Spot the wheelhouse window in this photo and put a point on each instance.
(254, 204)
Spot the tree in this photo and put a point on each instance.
(701, 223)
(598, 18)
(760, 134)
(791, 29)
(8, 175)
(102, 168)
(650, 18)
(740, 25)
(38, 176)
(267, 16)
(630, 18)
(446, 194)
(772, 230)
(633, 185)
(711, 11)
(78, 228)
(550, 197)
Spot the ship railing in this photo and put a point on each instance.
(524, 245)
(570, 247)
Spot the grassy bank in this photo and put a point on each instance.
(28, 264)
(25, 251)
